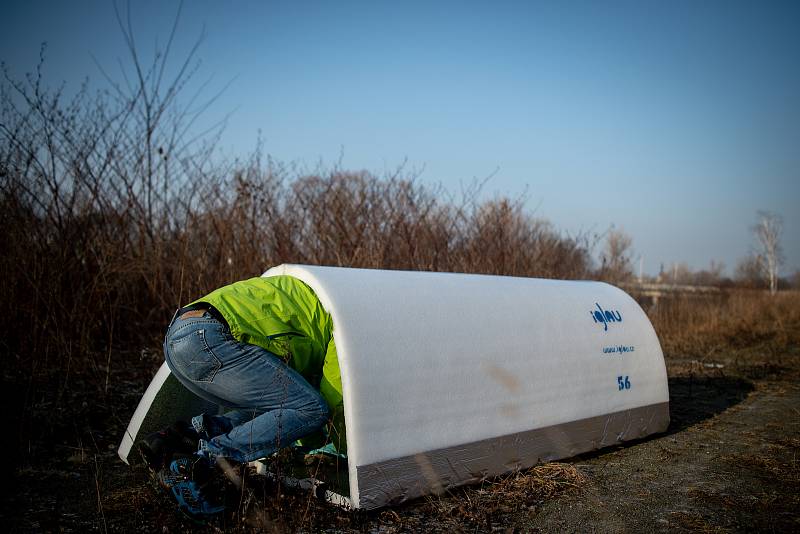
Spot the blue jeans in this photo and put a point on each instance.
(273, 405)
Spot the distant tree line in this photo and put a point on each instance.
(758, 270)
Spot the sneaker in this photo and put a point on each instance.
(167, 478)
(193, 468)
(159, 447)
(195, 502)
(196, 468)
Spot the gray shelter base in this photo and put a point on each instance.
(401, 479)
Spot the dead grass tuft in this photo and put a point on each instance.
(518, 492)
(540, 482)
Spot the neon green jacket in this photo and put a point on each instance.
(284, 316)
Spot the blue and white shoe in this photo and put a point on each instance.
(193, 468)
(196, 503)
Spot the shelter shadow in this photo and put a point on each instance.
(693, 399)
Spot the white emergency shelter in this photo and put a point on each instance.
(450, 378)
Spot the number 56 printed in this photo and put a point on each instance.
(623, 382)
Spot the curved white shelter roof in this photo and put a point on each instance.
(449, 378)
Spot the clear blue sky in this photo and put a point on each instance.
(675, 121)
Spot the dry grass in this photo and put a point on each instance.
(737, 319)
(491, 504)
(523, 488)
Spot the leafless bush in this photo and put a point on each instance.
(113, 217)
(615, 260)
(95, 190)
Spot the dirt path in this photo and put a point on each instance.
(737, 470)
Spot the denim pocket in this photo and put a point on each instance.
(193, 358)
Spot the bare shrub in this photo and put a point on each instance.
(615, 260)
(749, 271)
(112, 218)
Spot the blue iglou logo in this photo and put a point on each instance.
(605, 316)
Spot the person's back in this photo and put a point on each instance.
(284, 316)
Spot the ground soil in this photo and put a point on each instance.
(730, 461)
